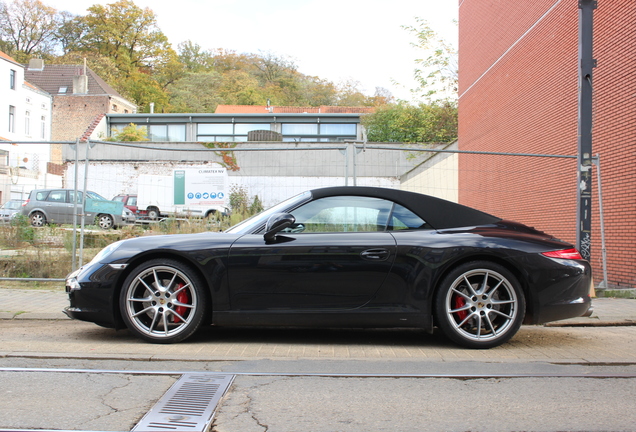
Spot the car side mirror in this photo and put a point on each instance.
(276, 223)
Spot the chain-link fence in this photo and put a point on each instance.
(267, 173)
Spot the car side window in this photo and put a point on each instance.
(71, 196)
(41, 196)
(403, 218)
(57, 196)
(342, 214)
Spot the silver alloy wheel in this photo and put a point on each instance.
(482, 305)
(105, 221)
(160, 303)
(38, 219)
(153, 214)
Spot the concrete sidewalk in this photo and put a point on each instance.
(47, 305)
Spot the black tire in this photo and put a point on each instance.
(480, 304)
(163, 301)
(153, 213)
(37, 219)
(105, 221)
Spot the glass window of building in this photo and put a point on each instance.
(215, 129)
(223, 132)
(300, 128)
(27, 123)
(12, 78)
(11, 118)
(170, 132)
(244, 128)
(344, 129)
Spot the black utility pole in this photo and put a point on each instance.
(586, 65)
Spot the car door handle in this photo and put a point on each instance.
(375, 254)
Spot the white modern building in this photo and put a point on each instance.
(25, 121)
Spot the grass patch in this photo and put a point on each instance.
(47, 252)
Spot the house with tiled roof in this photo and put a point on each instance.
(80, 101)
(25, 133)
(272, 109)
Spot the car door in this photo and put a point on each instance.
(56, 206)
(89, 218)
(336, 256)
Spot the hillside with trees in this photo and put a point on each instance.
(124, 45)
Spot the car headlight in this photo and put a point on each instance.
(72, 284)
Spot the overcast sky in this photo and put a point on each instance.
(338, 40)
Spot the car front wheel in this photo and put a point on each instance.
(163, 301)
(480, 304)
(105, 221)
(38, 219)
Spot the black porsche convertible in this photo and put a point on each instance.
(339, 257)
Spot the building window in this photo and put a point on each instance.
(321, 132)
(215, 129)
(43, 127)
(171, 133)
(344, 129)
(227, 132)
(300, 129)
(11, 118)
(215, 132)
(62, 90)
(27, 123)
(12, 79)
(244, 128)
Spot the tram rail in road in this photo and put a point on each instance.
(191, 402)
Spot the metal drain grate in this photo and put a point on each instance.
(188, 405)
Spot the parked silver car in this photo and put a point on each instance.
(9, 210)
(56, 206)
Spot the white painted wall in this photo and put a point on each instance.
(32, 122)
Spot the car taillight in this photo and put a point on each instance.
(564, 254)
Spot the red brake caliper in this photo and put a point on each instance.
(182, 297)
(459, 302)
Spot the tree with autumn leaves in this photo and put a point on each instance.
(124, 45)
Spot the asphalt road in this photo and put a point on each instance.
(69, 375)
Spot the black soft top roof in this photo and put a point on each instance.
(441, 214)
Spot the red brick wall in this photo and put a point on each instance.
(519, 93)
(72, 115)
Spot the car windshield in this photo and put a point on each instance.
(93, 195)
(12, 205)
(257, 221)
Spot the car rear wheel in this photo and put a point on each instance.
(38, 219)
(153, 213)
(480, 304)
(105, 221)
(163, 301)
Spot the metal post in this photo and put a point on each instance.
(597, 162)
(584, 177)
(346, 168)
(74, 265)
(83, 223)
(355, 176)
